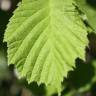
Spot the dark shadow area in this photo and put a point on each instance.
(92, 3)
(66, 90)
(55, 94)
(82, 74)
(4, 19)
(91, 50)
(36, 90)
(6, 84)
(93, 89)
(10, 80)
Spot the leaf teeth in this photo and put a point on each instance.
(44, 40)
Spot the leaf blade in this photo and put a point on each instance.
(45, 43)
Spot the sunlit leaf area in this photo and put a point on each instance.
(47, 47)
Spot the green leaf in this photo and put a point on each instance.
(44, 37)
(89, 8)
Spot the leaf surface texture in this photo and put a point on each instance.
(44, 37)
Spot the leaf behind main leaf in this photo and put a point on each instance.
(89, 8)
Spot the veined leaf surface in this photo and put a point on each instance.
(44, 37)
